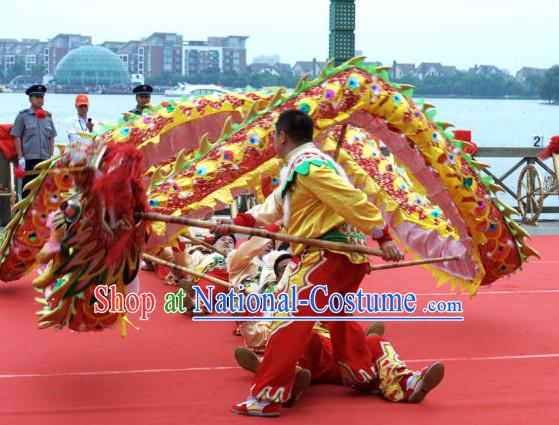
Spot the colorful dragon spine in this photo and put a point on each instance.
(432, 193)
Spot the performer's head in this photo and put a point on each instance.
(293, 128)
(224, 243)
(281, 264)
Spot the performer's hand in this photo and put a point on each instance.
(391, 252)
(222, 228)
(21, 162)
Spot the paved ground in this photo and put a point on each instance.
(546, 227)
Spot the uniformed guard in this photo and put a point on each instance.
(143, 97)
(34, 132)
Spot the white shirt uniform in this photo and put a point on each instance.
(76, 124)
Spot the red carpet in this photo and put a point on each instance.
(501, 362)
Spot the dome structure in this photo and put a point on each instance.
(91, 66)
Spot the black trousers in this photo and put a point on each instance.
(29, 165)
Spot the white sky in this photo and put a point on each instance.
(506, 33)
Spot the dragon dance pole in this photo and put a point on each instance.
(197, 241)
(296, 239)
(556, 164)
(413, 263)
(262, 233)
(182, 269)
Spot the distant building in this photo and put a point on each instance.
(7, 57)
(428, 69)
(487, 70)
(276, 69)
(162, 53)
(262, 68)
(133, 57)
(270, 60)
(57, 47)
(114, 46)
(400, 70)
(234, 54)
(282, 68)
(91, 66)
(434, 69)
(27, 52)
(527, 71)
(198, 57)
(312, 68)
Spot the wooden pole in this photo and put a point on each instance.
(197, 241)
(182, 269)
(35, 172)
(231, 228)
(340, 141)
(412, 263)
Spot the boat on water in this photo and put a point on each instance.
(185, 89)
(4, 89)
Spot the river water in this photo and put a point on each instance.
(493, 122)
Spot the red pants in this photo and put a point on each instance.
(319, 360)
(275, 375)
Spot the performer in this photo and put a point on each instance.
(143, 98)
(246, 265)
(211, 264)
(318, 202)
(394, 381)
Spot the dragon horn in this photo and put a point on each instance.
(407, 86)
(427, 105)
(277, 97)
(227, 127)
(481, 165)
(327, 66)
(528, 251)
(301, 82)
(252, 112)
(356, 60)
(496, 187)
(445, 124)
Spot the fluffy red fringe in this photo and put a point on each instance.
(552, 148)
(19, 172)
(121, 188)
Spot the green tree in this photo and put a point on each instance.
(550, 87)
(17, 69)
(36, 71)
(533, 84)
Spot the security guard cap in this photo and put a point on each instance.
(36, 90)
(143, 90)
